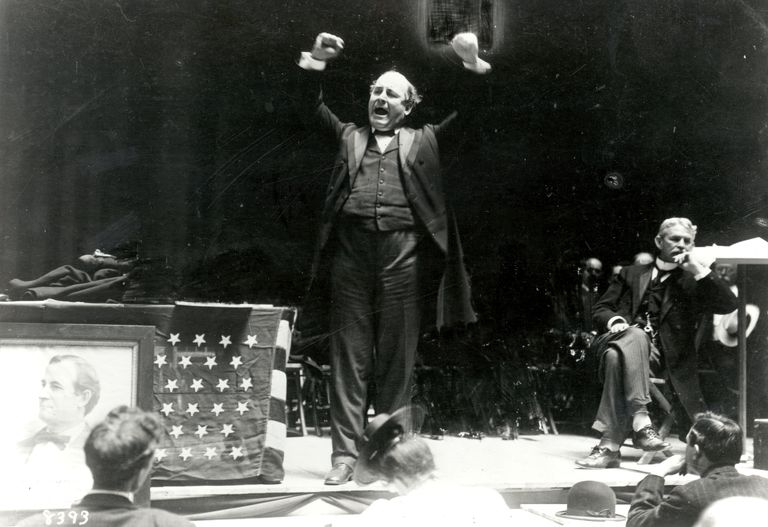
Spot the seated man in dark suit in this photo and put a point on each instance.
(713, 447)
(650, 315)
(119, 451)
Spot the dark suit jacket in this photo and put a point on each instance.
(684, 504)
(685, 302)
(423, 186)
(108, 510)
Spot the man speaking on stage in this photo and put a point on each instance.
(385, 215)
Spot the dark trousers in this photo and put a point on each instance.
(375, 319)
(626, 361)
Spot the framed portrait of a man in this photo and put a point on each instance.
(56, 382)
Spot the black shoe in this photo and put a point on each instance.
(648, 439)
(601, 457)
(339, 474)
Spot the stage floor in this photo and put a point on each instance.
(531, 469)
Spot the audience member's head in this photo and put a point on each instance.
(593, 270)
(643, 258)
(409, 459)
(736, 510)
(712, 440)
(120, 449)
(726, 271)
(69, 390)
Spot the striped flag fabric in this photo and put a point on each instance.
(220, 387)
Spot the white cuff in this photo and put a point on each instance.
(308, 62)
(702, 274)
(613, 320)
(479, 66)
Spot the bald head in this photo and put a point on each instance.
(736, 510)
(643, 258)
(392, 99)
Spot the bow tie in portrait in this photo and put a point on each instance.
(386, 133)
(50, 437)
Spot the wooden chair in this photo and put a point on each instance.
(294, 373)
(317, 393)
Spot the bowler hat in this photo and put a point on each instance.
(381, 434)
(591, 500)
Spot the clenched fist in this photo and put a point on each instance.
(327, 46)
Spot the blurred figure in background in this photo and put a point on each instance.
(590, 290)
(643, 258)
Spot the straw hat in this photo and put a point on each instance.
(726, 330)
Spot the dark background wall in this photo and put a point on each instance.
(170, 126)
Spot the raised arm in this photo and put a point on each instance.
(466, 48)
(311, 107)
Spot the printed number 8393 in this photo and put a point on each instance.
(70, 517)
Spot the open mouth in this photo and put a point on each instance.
(380, 111)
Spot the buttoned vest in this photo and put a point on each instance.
(377, 200)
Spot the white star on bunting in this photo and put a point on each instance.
(210, 361)
(237, 451)
(185, 361)
(251, 341)
(192, 409)
(197, 384)
(246, 383)
(210, 452)
(174, 339)
(199, 339)
(242, 407)
(160, 454)
(186, 453)
(227, 429)
(171, 385)
(236, 361)
(225, 341)
(160, 360)
(217, 408)
(223, 384)
(167, 409)
(201, 431)
(176, 431)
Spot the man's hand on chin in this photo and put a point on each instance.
(689, 263)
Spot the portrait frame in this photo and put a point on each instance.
(122, 357)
